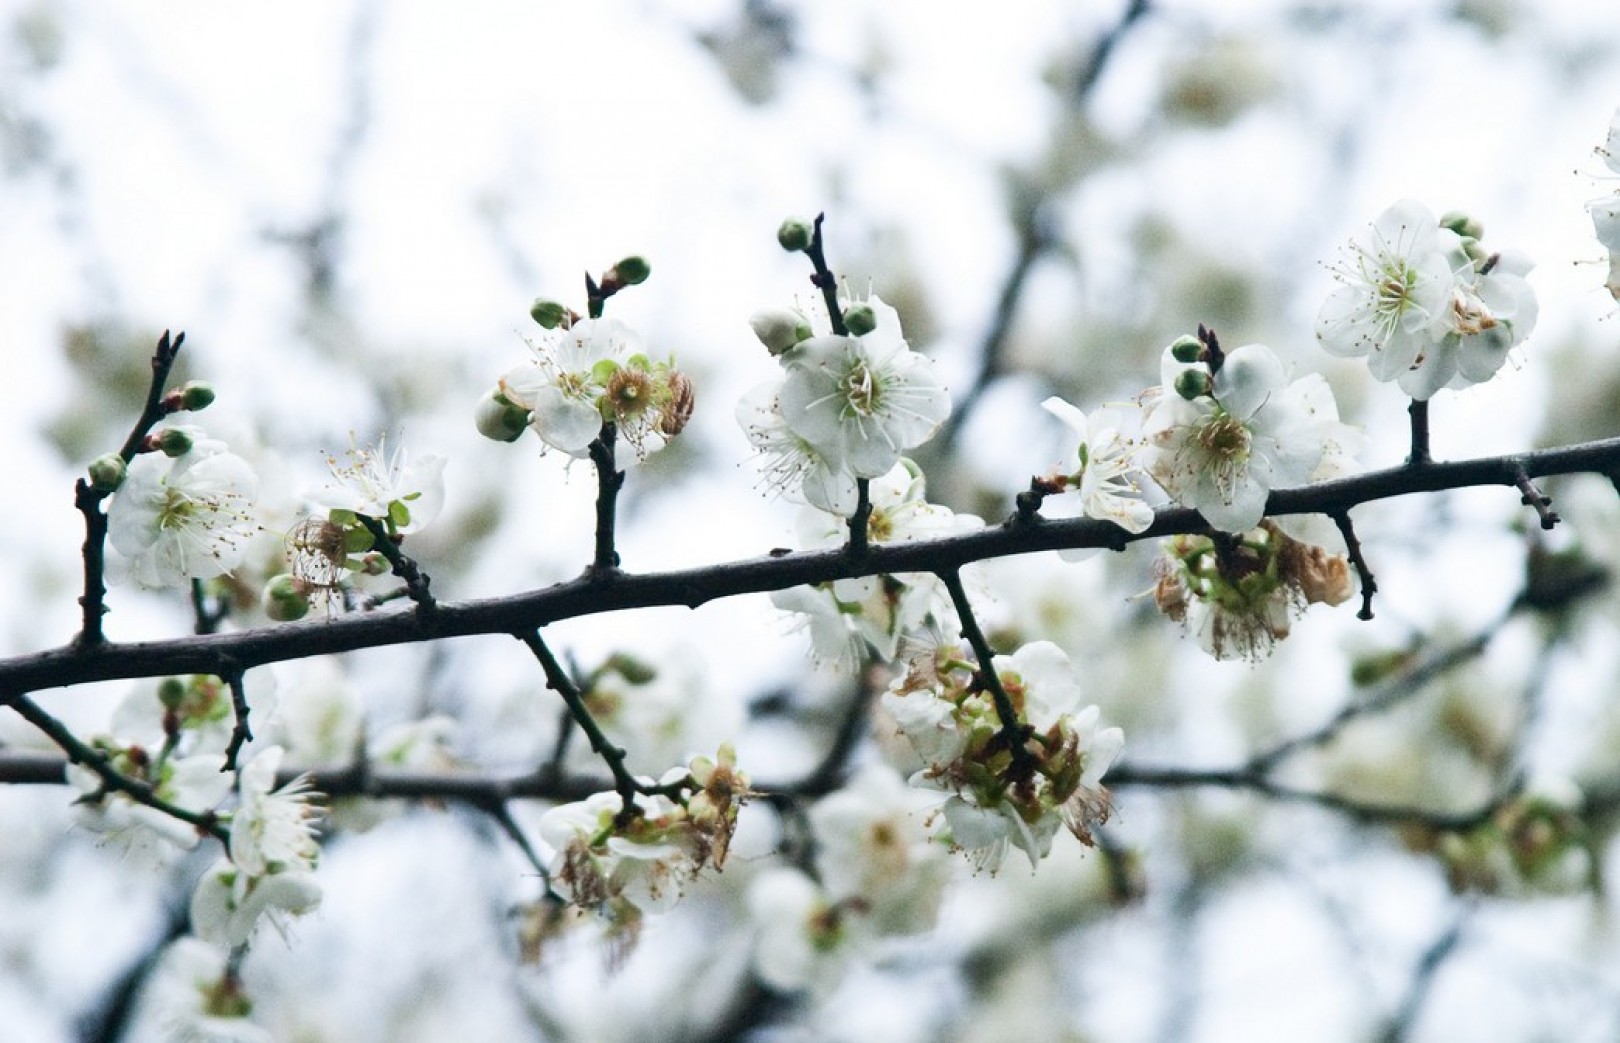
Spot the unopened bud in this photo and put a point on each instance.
(1192, 383)
(1187, 348)
(1462, 224)
(107, 472)
(549, 314)
(632, 271)
(171, 693)
(196, 395)
(631, 669)
(860, 319)
(499, 418)
(286, 598)
(779, 329)
(794, 235)
(373, 563)
(172, 441)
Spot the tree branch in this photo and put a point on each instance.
(591, 595)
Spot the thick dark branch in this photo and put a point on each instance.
(591, 595)
(860, 521)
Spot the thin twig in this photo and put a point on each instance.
(416, 581)
(112, 779)
(87, 500)
(1419, 413)
(824, 280)
(241, 734)
(1532, 497)
(609, 480)
(1014, 731)
(1352, 546)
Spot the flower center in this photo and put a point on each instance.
(1225, 437)
(861, 390)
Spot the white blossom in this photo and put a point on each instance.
(873, 850)
(405, 493)
(803, 938)
(862, 401)
(273, 830)
(791, 465)
(194, 998)
(185, 518)
(1224, 452)
(230, 903)
(847, 615)
(147, 835)
(1393, 291)
(1108, 462)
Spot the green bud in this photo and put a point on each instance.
(196, 395)
(633, 270)
(1476, 253)
(633, 670)
(547, 313)
(795, 235)
(1462, 224)
(780, 329)
(107, 472)
(374, 564)
(285, 598)
(860, 319)
(1192, 383)
(1187, 348)
(173, 442)
(499, 418)
(171, 692)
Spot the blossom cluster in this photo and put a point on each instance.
(1007, 785)
(581, 375)
(847, 617)
(623, 862)
(1605, 210)
(1426, 303)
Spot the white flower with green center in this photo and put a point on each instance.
(563, 385)
(790, 463)
(189, 517)
(862, 401)
(1108, 464)
(1393, 294)
(1224, 452)
(273, 830)
(1492, 309)
(403, 493)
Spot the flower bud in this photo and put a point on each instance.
(499, 418)
(172, 441)
(373, 563)
(107, 472)
(286, 598)
(779, 329)
(1463, 224)
(196, 395)
(794, 235)
(860, 319)
(1192, 383)
(632, 271)
(1187, 348)
(547, 313)
(171, 693)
